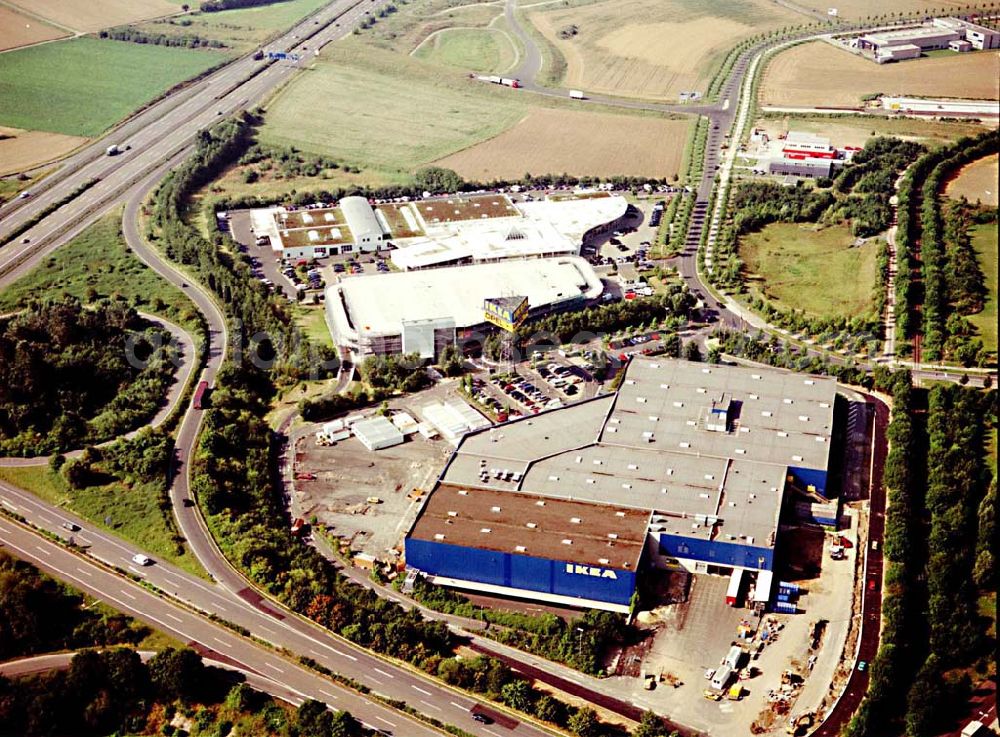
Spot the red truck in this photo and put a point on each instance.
(200, 400)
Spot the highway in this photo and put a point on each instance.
(215, 640)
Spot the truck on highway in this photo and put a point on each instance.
(505, 81)
(258, 55)
(577, 95)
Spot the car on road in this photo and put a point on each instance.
(72, 527)
(871, 585)
(862, 665)
(482, 718)
(24, 195)
(142, 560)
(26, 240)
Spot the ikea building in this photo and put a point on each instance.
(687, 465)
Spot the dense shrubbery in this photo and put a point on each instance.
(66, 378)
(134, 35)
(213, 6)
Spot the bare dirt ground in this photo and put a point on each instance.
(577, 142)
(819, 74)
(18, 29)
(27, 149)
(977, 181)
(93, 15)
(857, 130)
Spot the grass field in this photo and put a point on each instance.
(818, 73)
(977, 181)
(395, 122)
(984, 240)
(19, 29)
(414, 22)
(97, 260)
(312, 322)
(812, 269)
(651, 48)
(472, 49)
(82, 86)
(239, 29)
(577, 142)
(25, 150)
(134, 511)
(92, 15)
(857, 130)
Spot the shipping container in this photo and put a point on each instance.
(784, 607)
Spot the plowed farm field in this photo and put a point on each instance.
(93, 15)
(651, 49)
(579, 143)
(22, 150)
(819, 74)
(18, 29)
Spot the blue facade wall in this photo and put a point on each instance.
(805, 477)
(717, 552)
(518, 571)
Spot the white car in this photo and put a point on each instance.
(142, 560)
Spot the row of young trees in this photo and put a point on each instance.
(67, 379)
(135, 35)
(920, 227)
(230, 468)
(940, 522)
(952, 280)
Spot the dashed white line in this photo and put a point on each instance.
(387, 675)
(42, 550)
(7, 504)
(495, 734)
(383, 719)
(458, 706)
(46, 520)
(421, 690)
(126, 593)
(328, 694)
(432, 706)
(223, 642)
(272, 666)
(85, 572)
(173, 617)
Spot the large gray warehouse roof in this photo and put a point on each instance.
(651, 446)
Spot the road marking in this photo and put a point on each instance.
(126, 593)
(421, 690)
(328, 694)
(495, 734)
(46, 520)
(7, 504)
(433, 706)
(383, 719)
(136, 571)
(458, 705)
(40, 549)
(272, 666)
(173, 617)
(387, 675)
(223, 643)
(84, 540)
(172, 582)
(85, 572)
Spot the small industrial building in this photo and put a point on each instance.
(804, 155)
(377, 433)
(423, 311)
(454, 419)
(707, 452)
(938, 33)
(317, 231)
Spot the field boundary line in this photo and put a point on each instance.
(439, 31)
(40, 19)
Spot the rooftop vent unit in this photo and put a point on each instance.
(684, 444)
(567, 541)
(754, 396)
(678, 404)
(820, 439)
(702, 390)
(766, 413)
(654, 365)
(619, 514)
(598, 461)
(654, 418)
(633, 467)
(640, 400)
(463, 492)
(531, 525)
(630, 382)
(755, 376)
(439, 536)
(706, 370)
(591, 481)
(786, 400)
(494, 509)
(703, 495)
(809, 382)
(613, 535)
(452, 514)
(741, 451)
(485, 530)
(804, 418)
(574, 520)
(579, 459)
(824, 405)
(797, 458)
(626, 485)
(782, 434)
(664, 386)
(540, 503)
(519, 548)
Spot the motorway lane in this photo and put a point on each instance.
(265, 621)
(178, 622)
(166, 136)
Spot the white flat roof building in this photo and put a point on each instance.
(550, 227)
(377, 433)
(371, 314)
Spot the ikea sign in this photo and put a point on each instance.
(591, 571)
